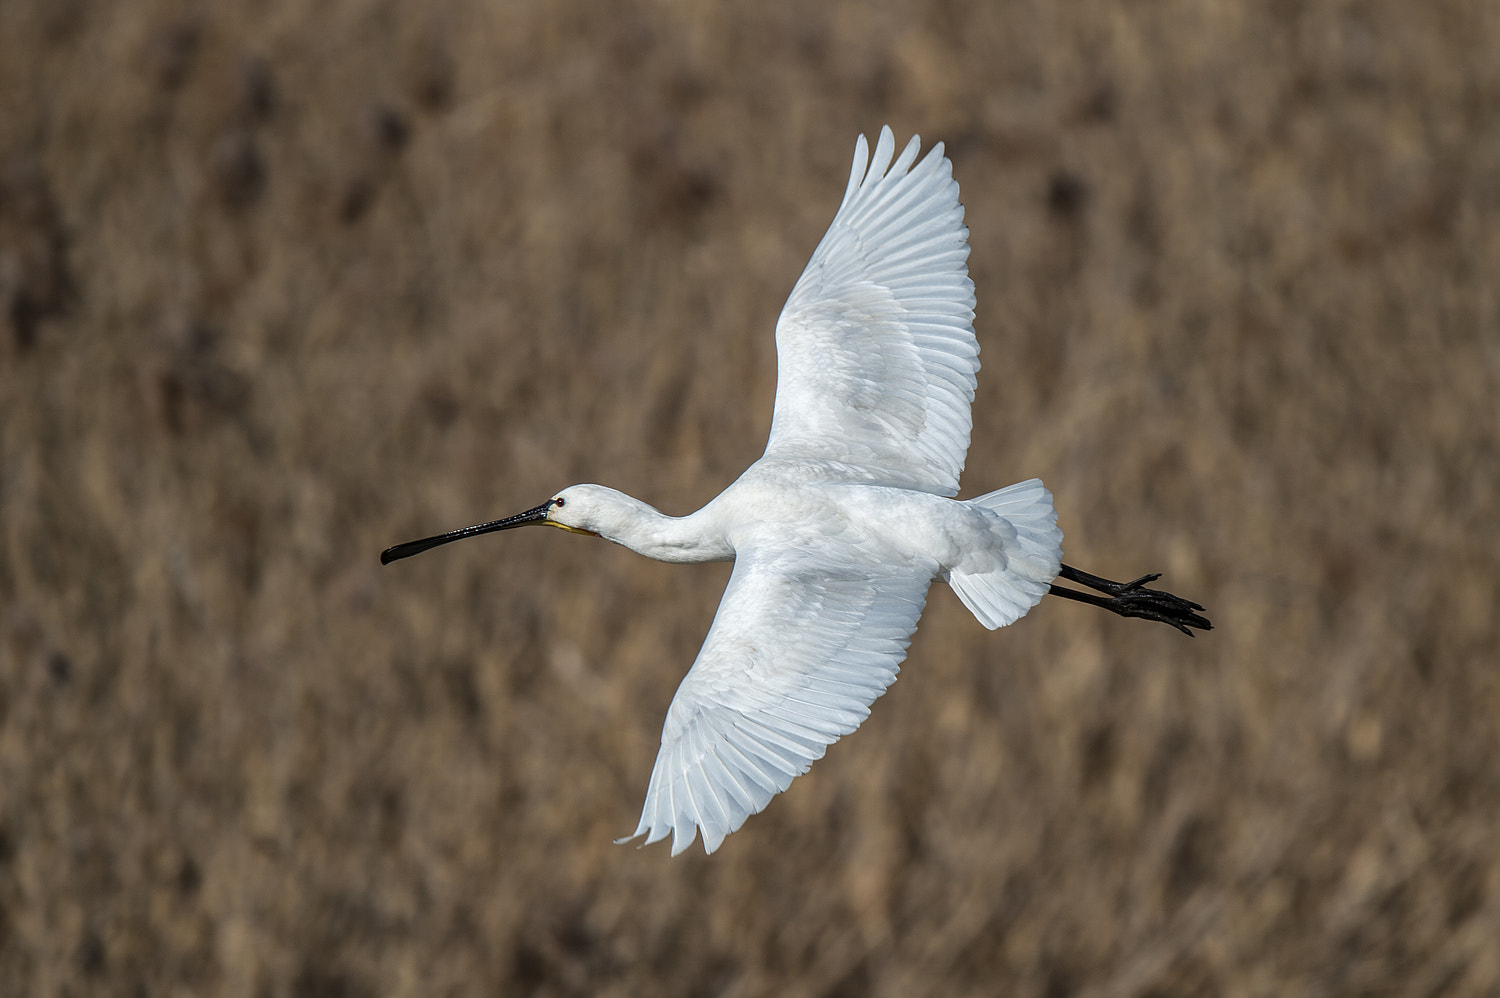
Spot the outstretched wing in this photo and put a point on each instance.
(799, 649)
(875, 348)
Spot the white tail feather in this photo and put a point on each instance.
(1031, 555)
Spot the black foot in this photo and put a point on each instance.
(1133, 599)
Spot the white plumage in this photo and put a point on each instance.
(840, 528)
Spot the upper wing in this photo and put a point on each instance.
(799, 649)
(875, 348)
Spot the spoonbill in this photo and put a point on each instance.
(839, 529)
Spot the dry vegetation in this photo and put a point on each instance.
(285, 283)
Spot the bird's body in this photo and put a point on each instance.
(779, 502)
(838, 531)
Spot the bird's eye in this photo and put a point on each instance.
(559, 502)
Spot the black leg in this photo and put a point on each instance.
(1133, 599)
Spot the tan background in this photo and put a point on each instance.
(286, 283)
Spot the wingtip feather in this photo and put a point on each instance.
(857, 169)
(885, 148)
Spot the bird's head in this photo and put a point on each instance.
(582, 509)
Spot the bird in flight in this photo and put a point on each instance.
(840, 528)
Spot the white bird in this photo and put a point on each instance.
(837, 532)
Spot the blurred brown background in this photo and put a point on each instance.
(287, 283)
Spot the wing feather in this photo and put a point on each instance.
(802, 644)
(875, 346)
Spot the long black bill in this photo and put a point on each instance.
(538, 515)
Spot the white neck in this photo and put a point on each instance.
(697, 537)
